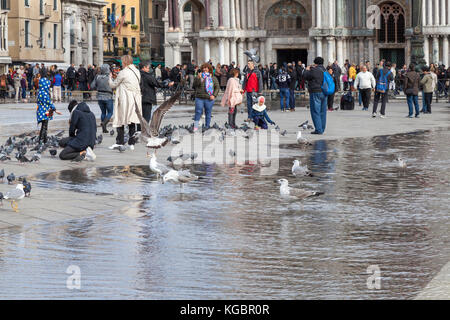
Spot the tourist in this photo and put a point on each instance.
(82, 134)
(206, 89)
(17, 77)
(253, 82)
(292, 85)
(260, 115)
(411, 89)
(352, 76)
(57, 84)
(337, 72)
(24, 86)
(318, 101)
(82, 80)
(128, 98)
(158, 72)
(223, 77)
(428, 88)
(43, 71)
(45, 108)
(300, 69)
(175, 74)
(330, 98)
(190, 74)
(383, 77)
(232, 97)
(71, 74)
(273, 74)
(104, 95)
(284, 81)
(366, 83)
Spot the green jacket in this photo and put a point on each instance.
(200, 89)
(427, 83)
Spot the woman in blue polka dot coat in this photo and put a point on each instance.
(45, 108)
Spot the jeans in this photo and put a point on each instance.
(107, 107)
(24, 93)
(200, 105)
(428, 98)
(284, 95)
(318, 107)
(384, 98)
(413, 99)
(292, 99)
(273, 84)
(249, 104)
(360, 97)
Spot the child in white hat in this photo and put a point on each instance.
(260, 116)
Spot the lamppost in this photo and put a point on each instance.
(417, 40)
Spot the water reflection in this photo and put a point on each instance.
(230, 235)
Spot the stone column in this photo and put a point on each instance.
(408, 51)
(244, 15)
(332, 13)
(339, 16)
(251, 45)
(448, 12)
(170, 14)
(207, 50)
(361, 50)
(240, 52)
(233, 50)
(445, 51)
(226, 14)
(227, 51)
(268, 51)
(426, 49)
(7, 35)
(176, 54)
(176, 16)
(66, 37)
(436, 13)
(371, 52)
(345, 47)
(90, 58)
(429, 12)
(238, 13)
(319, 14)
(208, 15)
(255, 13)
(340, 52)
(318, 47)
(250, 14)
(99, 39)
(221, 50)
(78, 50)
(313, 15)
(435, 48)
(424, 13)
(331, 49)
(232, 14)
(443, 14)
(262, 51)
(220, 13)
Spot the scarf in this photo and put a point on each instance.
(209, 86)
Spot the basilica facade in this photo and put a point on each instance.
(288, 30)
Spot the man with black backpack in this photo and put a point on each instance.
(318, 100)
(383, 76)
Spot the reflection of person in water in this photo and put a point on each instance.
(82, 134)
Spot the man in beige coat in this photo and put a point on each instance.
(128, 96)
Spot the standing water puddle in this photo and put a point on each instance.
(231, 236)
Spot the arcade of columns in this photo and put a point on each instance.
(338, 31)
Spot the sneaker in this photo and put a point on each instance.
(382, 116)
(195, 129)
(114, 146)
(203, 116)
(409, 117)
(417, 116)
(131, 146)
(374, 115)
(90, 155)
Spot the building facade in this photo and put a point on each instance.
(5, 59)
(34, 32)
(288, 30)
(83, 31)
(152, 29)
(122, 27)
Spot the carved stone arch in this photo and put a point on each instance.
(393, 23)
(198, 11)
(286, 17)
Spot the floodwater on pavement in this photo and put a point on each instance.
(230, 236)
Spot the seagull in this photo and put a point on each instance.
(14, 196)
(252, 54)
(401, 163)
(179, 177)
(150, 131)
(301, 194)
(298, 170)
(302, 140)
(158, 168)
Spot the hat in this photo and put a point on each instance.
(259, 108)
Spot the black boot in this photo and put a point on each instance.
(230, 119)
(233, 117)
(104, 124)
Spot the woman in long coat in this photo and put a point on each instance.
(128, 96)
(232, 97)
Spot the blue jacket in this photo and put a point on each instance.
(83, 128)
(57, 80)
(44, 101)
(263, 115)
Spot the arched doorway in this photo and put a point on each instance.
(391, 35)
(192, 16)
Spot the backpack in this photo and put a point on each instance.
(382, 85)
(328, 86)
(347, 102)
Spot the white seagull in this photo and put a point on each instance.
(179, 177)
(301, 194)
(158, 168)
(401, 163)
(14, 196)
(298, 170)
(302, 140)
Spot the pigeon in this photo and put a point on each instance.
(401, 163)
(252, 54)
(2, 174)
(158, 168)
(4, 157)
(179, 177)
(100, 139)
(284, 133)
(59, 134)
(36, 157)
(232, 153)
(111, 133)
(1, 199)
(301, 194)
(26, 188)
(14, 196)
(298, 170)
(304, 125)
(53, 152)
(22, 158)
(302, 140)
(11, 178)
